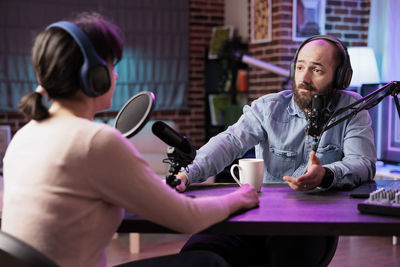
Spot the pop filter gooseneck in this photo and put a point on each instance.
(135, 114)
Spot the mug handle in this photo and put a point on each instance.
(233, 175)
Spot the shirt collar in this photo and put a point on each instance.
(333, 103)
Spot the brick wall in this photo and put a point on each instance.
(348, 20)
(204, 15)
(279, 51)
(345, 19)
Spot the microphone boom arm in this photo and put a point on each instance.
(393, 89)
(262, 64)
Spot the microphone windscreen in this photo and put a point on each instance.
(135, 114)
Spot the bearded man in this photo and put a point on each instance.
(275, 125)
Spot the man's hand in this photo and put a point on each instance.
(182, 186)
(311, 179)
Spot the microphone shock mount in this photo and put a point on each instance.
(177, 159)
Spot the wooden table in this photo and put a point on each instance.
(283, 211)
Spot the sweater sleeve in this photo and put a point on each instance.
(124, 179)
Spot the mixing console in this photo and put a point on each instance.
(384, 201)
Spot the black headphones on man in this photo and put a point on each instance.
(94, 76)
(344, 72)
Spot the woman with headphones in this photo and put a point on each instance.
(68, 179)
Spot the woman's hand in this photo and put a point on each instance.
(246, 197)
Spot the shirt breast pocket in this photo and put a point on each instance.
(329, 153)
(281, 163)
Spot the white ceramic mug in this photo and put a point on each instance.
(251, 171)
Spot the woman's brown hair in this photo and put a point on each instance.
(57, 59)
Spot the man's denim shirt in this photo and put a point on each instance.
(275, 126)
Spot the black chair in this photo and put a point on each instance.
(15, 253)
(331, 245)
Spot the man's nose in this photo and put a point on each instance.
(305, 77)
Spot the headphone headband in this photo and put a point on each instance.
(94, 76)
(344, 72)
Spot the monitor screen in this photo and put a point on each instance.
(386, 126)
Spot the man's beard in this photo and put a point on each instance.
(304, 99)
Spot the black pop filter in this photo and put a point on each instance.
(135, 113)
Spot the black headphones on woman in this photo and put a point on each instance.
(344, 72)
(94, 76)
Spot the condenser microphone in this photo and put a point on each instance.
(316, 118)
(172, 138)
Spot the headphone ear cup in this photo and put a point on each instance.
(99, 80)
(343, 75)
(347, 77)
(94, 75)
(339, 78)
(292, 69)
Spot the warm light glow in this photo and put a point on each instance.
(365, 69)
